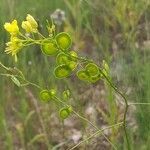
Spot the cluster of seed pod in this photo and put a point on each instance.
(58, 45)
(51, 95)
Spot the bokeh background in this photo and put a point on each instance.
(115, 30)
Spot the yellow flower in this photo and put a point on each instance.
(32, 21)
(12, 28)
(30, 25)
(13, 46)
(27, 26)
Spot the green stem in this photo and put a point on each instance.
(3, 66)
(139, 104)
(95, 134)
(126, 107)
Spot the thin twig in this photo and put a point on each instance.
(95, 134)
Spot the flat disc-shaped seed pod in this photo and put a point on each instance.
(66, 94)
(73, 55)
(62, 59)
(72, 65)
(94, 79)
(52, 93)
(64, 113)
(92, 69)
(62, 71)
(45, 96)
(82, 75)
(63, 40)
(49, 48)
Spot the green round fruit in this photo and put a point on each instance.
(64, 113)
(92, 69)
(45, 96)
(63, 40)
(62, 71)
(49, 48)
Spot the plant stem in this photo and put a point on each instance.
(95, 134)
(139, 104)
(126, 107)
(3, 66)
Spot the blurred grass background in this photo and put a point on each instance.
(115, 30)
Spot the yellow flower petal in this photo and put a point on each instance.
(27, 26)
(32, 21)
(12, 28)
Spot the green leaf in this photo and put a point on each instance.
(92, 69)
(49, 48)
(16, 81)
(82, 75)
(36, 138)
(62, 71)
(45, 95)
(63, 40)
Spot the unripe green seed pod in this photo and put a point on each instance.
(52, 93)
(45, 96)
(92, 69)
(94, 79)
(66, 94)
(63, 40)
(62, 71)
(72, 65)
(82, 75)
(64, 113)
(16, 81)
(70, 109)
(49, 48)
(62, 59)
(73, 55)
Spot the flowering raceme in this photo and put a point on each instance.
(12, 28)
(17, 39)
